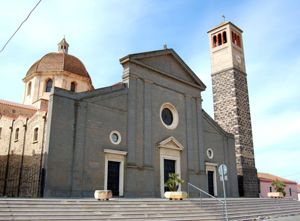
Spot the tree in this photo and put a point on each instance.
(173, 181)
(279, 186)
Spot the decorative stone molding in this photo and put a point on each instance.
(171, 143)
(175, 117)
(115, 137)
(213, 167)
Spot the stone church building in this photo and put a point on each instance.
(68, 139)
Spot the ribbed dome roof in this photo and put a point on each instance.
(58, 61)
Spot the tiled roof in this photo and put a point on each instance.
(57, 61)
(270, 177)
(9, 103)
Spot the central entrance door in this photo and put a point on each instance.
(169, 167)
(113, 177)
(210, 175)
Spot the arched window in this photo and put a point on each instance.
(219, 39)
(29, 88)
(36, 134)
(224, 37)
(233, 37)
(214, 41)
(238, 40)
(73, 86)
(17, 134)
(49, 83)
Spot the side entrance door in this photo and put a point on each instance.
(113, 177)
(169, 167)
(210, 175)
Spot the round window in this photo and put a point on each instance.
(115, 137)
(210, 153)
(169, 116)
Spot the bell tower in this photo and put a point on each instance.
(231, 100)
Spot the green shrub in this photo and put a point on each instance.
(279, 186)
(173, 182)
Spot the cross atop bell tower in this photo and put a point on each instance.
(63, 46)
(231, 100)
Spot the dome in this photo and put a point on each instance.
(57, 61)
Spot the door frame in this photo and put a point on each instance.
(169, 149)
(212, 167)
(117, 156)
(162, 171)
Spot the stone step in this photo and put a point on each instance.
(253, 216)
(236, 207)
(104, 212)
(196, 218)
(111, 217)
(112, 209)
(143, 209)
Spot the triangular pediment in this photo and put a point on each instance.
(166, 62)
(171, 143)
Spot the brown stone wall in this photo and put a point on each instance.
(20, 159)
(232, 112)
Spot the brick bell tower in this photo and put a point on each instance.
(231, 100)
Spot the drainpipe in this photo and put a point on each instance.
(42, 170)
(8, 155)
(22, 157)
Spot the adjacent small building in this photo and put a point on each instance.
(298, 190)
(266, 179)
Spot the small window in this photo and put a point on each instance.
(49, 83)
(17, 134)
(214, 41)
(224, 37)
(73, 86)
(233, 37)
(238, 40)
(0, 132)
(115, 137)
(290, 190)
(35, 134)
(29, 89)
(219, 39)
(270, 188)
(210, 153)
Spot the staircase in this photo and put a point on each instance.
(254, 208)
(144, 209)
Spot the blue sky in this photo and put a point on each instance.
(101, 32)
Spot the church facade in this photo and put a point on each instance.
(68, 139)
